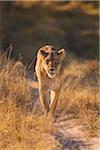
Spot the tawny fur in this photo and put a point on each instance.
(49, 70)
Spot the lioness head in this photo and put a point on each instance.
(52, 60)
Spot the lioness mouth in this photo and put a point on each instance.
(51, 75)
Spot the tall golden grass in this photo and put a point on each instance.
(22, 124)
(21, 128)
(80, 93)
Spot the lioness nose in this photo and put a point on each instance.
(52, 69)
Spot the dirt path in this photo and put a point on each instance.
(72, 137)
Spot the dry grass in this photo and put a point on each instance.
(22, 124)
(80, 93)
(21, 127)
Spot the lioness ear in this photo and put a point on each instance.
(62, 53)
(45, 54)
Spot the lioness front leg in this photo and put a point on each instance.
(42, 95)
(54, 100)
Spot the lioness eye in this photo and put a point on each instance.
(47, 61)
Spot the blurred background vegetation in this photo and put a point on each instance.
(29, 25)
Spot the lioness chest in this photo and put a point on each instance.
(53, 84)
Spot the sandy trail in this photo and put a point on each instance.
(72, 136)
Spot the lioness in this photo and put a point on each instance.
(48, 71)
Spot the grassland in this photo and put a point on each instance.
(30, 25)
(22, 123)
